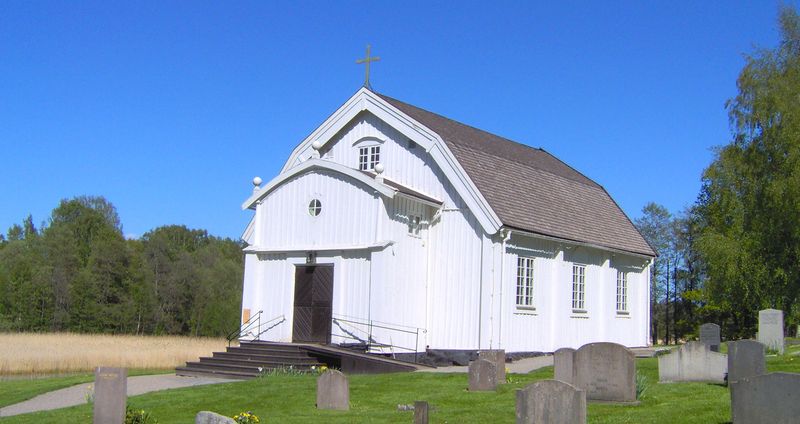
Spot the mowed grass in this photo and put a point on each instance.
(374, 399)
(60, 353)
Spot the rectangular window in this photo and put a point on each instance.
(525, 282)
(578, 287)
(622, 291)
(368, 157)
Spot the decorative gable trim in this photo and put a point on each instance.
(310, 164)
(366, 100)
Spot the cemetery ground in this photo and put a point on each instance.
(289, 397)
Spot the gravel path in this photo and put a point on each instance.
(521, 366)
(76, 395)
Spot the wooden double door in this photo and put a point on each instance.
(313, 304)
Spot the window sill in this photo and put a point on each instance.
(623, 314)
(525, 310)
(580, 314)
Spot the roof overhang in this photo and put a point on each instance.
(317, 164)
(366, 100)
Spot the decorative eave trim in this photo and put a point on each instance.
(247, 235)
(310, 164)
(312, 248)
(365, 99)
(576, 243)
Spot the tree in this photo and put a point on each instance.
(655, 226)
(749, 205)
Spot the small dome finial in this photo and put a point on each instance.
(257, 183)
(316, 145)
(379, 168)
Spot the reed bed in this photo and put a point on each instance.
(60, 353)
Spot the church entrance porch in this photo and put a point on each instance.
(313, 299)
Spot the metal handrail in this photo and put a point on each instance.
(370, 324)
(245, 327)
(255, 322)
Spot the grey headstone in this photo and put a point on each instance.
(709, 334)
(606, 371)
(563, 360)
(771, 398)
(551, 402)
(333, 391)
(420, 412)
(745, 359)
(693, 361)
(208, 417)
(482, 376)
(110, 395)
(770, 329)
(498, 356)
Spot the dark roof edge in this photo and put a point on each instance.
(652, 250)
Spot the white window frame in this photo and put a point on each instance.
(622, 292)
(578, 288)
(314, 208)
(414, 225)
(368, 157)
(525, 283)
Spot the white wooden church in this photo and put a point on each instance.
(398, 228)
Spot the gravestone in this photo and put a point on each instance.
(420, 412)
(498, 356)
(770, 398)
(333, 391)
(551, 402)
(770, 329)
(208, 417)
(606, 371)
(693, 361)
(709, 334)
(482, 376)
(745, 359)
(563, 360)
(110, 395)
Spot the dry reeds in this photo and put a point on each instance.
(56, 353)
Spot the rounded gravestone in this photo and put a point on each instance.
(606, 371)
(552, 402)
(333, 391)
(482, 376)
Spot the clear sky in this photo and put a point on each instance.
(169, 109)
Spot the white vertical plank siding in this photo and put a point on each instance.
(348, 215)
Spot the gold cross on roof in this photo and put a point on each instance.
(367, 60)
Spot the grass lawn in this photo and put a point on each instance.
(374, 399)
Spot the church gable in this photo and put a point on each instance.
(367, 140)
(317, 209)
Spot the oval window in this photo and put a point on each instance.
(314, 207)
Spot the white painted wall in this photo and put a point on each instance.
(453, 281)
(554, 324)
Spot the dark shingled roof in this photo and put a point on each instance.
(530, 189)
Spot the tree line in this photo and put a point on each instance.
(78, 273)
(736, 250)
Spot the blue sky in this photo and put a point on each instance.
(169, 109)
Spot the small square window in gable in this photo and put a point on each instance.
(368, 157)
